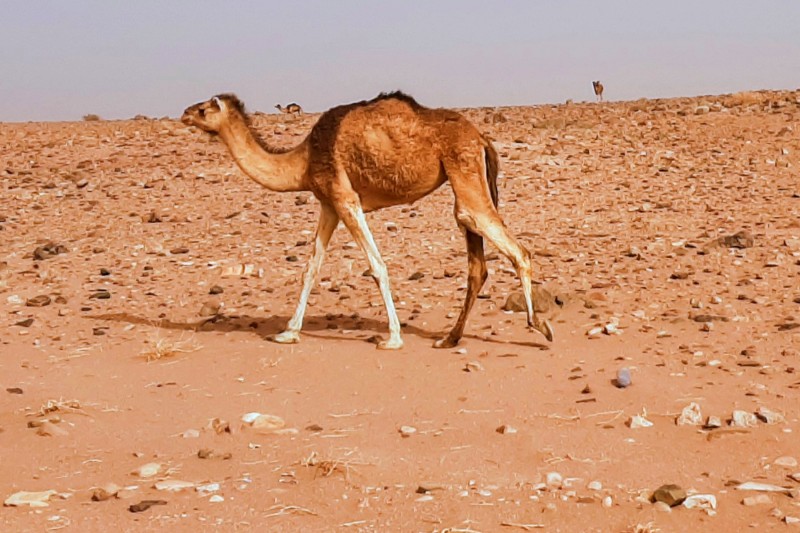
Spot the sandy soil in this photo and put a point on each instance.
(115, 339)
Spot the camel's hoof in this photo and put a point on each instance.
(446, 342)
(544, 327)
(286, 337)
(395, 344)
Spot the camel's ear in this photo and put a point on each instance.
(218, 102)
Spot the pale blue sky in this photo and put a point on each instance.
(62, 59)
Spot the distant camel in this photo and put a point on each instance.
(598, 90)
(374, 154)
(291, 109)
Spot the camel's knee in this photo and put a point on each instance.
(466, 219)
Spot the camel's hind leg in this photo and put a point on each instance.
(475, 279)
(353, 218)
(328, 220)
(475, 211)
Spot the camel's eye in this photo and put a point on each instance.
(201, 112)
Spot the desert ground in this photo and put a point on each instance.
(141, 272)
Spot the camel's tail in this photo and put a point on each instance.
(492, 168)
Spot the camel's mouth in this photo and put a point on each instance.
(186, 119)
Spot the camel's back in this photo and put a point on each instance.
(391, 148)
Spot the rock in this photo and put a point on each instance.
(785, 461)
(713, 422)
(770, 417)
(743, 419)
(702, 110)
(31, 499)
(792, 520)
(670, 494)
(13, 390)
(46, 251)
(28, 322)
(190, 434)
(473, 366)
(179, 250)
(758, 499)
(594, 332)
(515, 303)
(173, 485)
(662, 507)
(106, 492)
(268, 423)
(145, 505)
(554, 480)
(38, 301)
(407, 431)
(638, 421)
(700, 501)
(101, 294)
(216, 498)
(216, 289)
(594, 485)
(741, 240)
(209, 309)
(416, 276)
(623, 378)
(608, 502)
(147, 470)
(505, 429)
(207, 488)
(762, 487)
(690, 416)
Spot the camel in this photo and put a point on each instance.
(370, 155)
(598, 90)
(291, 109)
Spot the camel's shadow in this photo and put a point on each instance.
(313, 326)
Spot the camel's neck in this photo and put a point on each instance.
(278, 172)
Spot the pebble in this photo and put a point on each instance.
(623, 379)
(407, 431)
(554, 480)
(506, 430)
(106, 492)
(638, 421)
(769, 417)
(515, 302)
(743, 419)
(31, 499)
(786, 461)
(594, 485)
(216, 498)
(608, 502)
(670, 494)
(173, 485)
(690, 416)
(758, 499)
(662, 507)
(700, 501)
(147, 470)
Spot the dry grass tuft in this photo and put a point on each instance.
(162, 348)
(91, 117)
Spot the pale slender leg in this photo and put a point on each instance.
(353, 217)
(475, 211)
(328, 220)
(475, 279)
(492, 228)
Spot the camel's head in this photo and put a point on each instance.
(211, 115)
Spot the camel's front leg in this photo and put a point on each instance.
(353, 217)
(328, 220)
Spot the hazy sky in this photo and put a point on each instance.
(62, 59)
